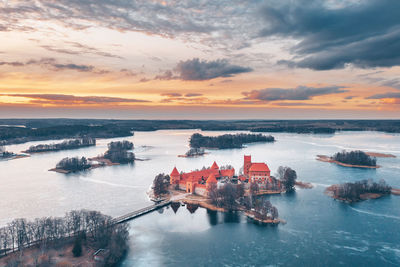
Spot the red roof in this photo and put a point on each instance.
(211, 179)
(259, 167)
(175, 172)
(228, 172)
(214, 166)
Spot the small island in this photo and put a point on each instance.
(75, 164)
(80, 238)
(227, 140)
(194, 152)
(6, 155)
(117, 153)
(355, 159)
(219, 189)
(360, 190)
(65, 145)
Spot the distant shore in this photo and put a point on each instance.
(325, 158)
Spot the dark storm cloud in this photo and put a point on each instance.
(298, 93)
(384, 95)
(197, 70)
(63, 99)
(364, 33)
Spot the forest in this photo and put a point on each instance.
(352, 191)
(356, 157)
(80, 227)
(227, 140)
(118, 152)
(42, 129)
(67, 144)
(73, 164)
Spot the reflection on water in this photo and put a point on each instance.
(319, 231)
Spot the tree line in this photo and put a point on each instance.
(356, 157)
(92, 227)
(352, 191)
(118, 152)
(4, 153)
(227, 140)
(67, 144)
(194, 151)
(73, 164)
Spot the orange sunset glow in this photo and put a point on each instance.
(217, 59)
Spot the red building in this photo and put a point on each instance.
(199, 182)
(258, 173)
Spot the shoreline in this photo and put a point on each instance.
(194, 156)
(328, 159)
(205, 203)
(380, 155)
(16, 156)
(304, 185)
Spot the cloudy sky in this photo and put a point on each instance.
(200, 59)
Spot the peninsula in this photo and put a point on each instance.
(80, 238)
(65, 145)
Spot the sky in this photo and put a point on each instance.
(200, 59)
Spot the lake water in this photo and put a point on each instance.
(319, 231)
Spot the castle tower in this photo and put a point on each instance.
(246, 165)
(215, 166)
(174, 176)
(210, 181)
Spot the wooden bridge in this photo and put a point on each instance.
(141, 212)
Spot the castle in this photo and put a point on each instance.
(200, 182)
(258, 173)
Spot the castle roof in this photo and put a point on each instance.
(259, 167)
(174, 172)
(214, 166)
(211, 179)
(228, 172)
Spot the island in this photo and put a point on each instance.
(227, 140)
(75, 164)
(219, 189)
(360, 190)
(65, 145)
(194, 152)
(355, 159)
(80, 237)
(117, 153)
